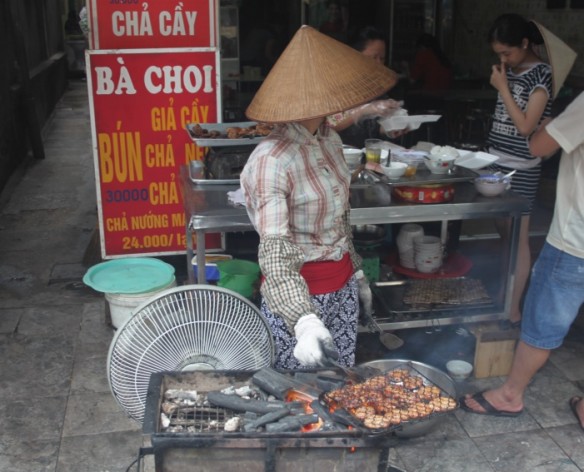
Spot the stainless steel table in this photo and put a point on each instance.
(208, 210)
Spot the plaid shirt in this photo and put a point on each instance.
(296, 187)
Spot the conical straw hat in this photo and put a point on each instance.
(559, 55)
(317, 76)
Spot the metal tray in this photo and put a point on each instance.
(391, 298)
(424, 177)
(223, 141)
(209, 181)
(411, 370)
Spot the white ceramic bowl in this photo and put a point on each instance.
(395, 169)
(439, 165)
(458, 370)
(352, 157)
(490, 186)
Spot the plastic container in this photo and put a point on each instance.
(129, 282)
(371, 267)
(211, 269)
(412, 158)
(432, 193)
(238, 275)
(122, 305)
(129, 275)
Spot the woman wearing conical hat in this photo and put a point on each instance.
(527, 86)
(296, 185)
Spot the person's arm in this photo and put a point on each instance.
(266, 189)
(527, 121)
(372, 109)
(542, 144)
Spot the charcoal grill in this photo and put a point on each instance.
(206, 444)
(208, 448)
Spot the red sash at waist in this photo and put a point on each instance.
(327, 276)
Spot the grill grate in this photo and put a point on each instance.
(195, 419)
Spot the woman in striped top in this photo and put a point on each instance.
(524, 83)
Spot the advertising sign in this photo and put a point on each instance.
(140, 103)
(129, 24)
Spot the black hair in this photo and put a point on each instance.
(428, 41)
(511, 29)
(364, 35)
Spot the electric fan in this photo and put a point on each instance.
(192, 327)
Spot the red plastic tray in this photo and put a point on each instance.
(455, 265)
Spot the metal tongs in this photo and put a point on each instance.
(354, 374)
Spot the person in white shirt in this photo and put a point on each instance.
(556, 289)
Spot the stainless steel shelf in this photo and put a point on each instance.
(208, 210)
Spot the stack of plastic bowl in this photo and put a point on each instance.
(405, 244)
(428, 254)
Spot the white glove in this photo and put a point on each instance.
(311, 337)
(365, 295)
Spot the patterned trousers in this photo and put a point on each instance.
(339, 311)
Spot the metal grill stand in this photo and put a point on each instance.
(210, 451)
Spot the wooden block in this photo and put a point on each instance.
(494, 350)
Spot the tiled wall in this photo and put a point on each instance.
(472, 54)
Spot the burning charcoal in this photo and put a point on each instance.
(291, 423)
(307, 378)
(233, 402)
(278, 384)
(265, 419)
(232, 424)
(322, 411)
(299, 410)
(229, 390)
(164, 421)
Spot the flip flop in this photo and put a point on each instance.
(573, 405)
(490, 410)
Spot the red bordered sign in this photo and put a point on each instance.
(140, 103)
(129, 24)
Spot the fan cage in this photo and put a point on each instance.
(193, 327)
